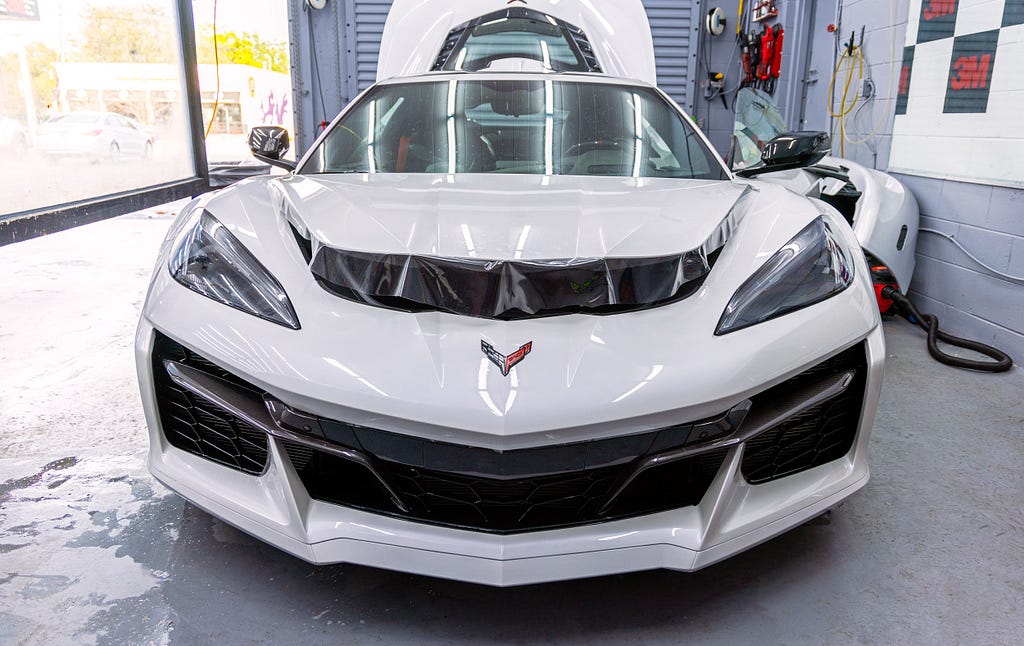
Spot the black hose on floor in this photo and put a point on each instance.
(930, 324)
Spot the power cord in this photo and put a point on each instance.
(854, 54)
(316, 70)
(1001, 362)
(1007, 277)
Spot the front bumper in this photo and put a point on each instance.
(731, 516)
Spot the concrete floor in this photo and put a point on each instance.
(93, 550)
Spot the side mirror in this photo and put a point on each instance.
(791, 150)
(796, 149)
(269, 143)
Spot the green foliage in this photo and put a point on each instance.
(11, 103)
(122, 33)
(244, 49)
(39, 59)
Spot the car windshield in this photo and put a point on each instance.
(541, 127)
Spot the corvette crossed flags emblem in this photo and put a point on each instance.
(505, 363)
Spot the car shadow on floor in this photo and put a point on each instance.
(221, 578)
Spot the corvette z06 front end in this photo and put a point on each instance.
(611, 357)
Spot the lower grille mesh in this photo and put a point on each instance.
(818, 435)
(193, 424)
(505, 505)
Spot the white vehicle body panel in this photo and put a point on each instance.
(618, 31)
(458, 393)
(886, 217)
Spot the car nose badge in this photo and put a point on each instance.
(505, 362)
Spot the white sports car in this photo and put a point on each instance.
(511, 327)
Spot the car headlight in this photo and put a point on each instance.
(207, 259)
(811, 267)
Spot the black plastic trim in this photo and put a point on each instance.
(575, 37)
(823, 429)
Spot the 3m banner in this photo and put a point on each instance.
(19, 10)
(961, 92)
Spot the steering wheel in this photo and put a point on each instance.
(618, 143)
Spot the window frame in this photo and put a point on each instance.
(23, 225)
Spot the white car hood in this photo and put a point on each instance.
(587, 376)
(506, 217)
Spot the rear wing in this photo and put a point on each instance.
(425, 35)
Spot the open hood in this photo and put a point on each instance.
(511, 247)
(617, 33)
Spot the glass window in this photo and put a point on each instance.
(244, 74)
(69, 76)
(550, 127)
(516, 38)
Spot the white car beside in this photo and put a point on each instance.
(94, 136)
(511, 325)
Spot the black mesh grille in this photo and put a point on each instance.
(192, 424)
(506, 505)
(446, 48)
(586, 50)
(818, 435)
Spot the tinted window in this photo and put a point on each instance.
(548, 127)
(516, 38)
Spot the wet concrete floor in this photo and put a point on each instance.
(93, 550)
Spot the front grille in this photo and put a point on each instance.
(820, 434)
(193, 424)
(505, 505)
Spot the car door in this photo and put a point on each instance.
(129, 138)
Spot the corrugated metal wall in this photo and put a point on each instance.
(363, 30)
(674, 26)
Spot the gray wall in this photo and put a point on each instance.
(989, 221)
(801, 40)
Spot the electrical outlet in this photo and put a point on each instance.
(713, 83)
(867, 88)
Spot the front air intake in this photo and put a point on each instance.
(816, 434)
(195, 425)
